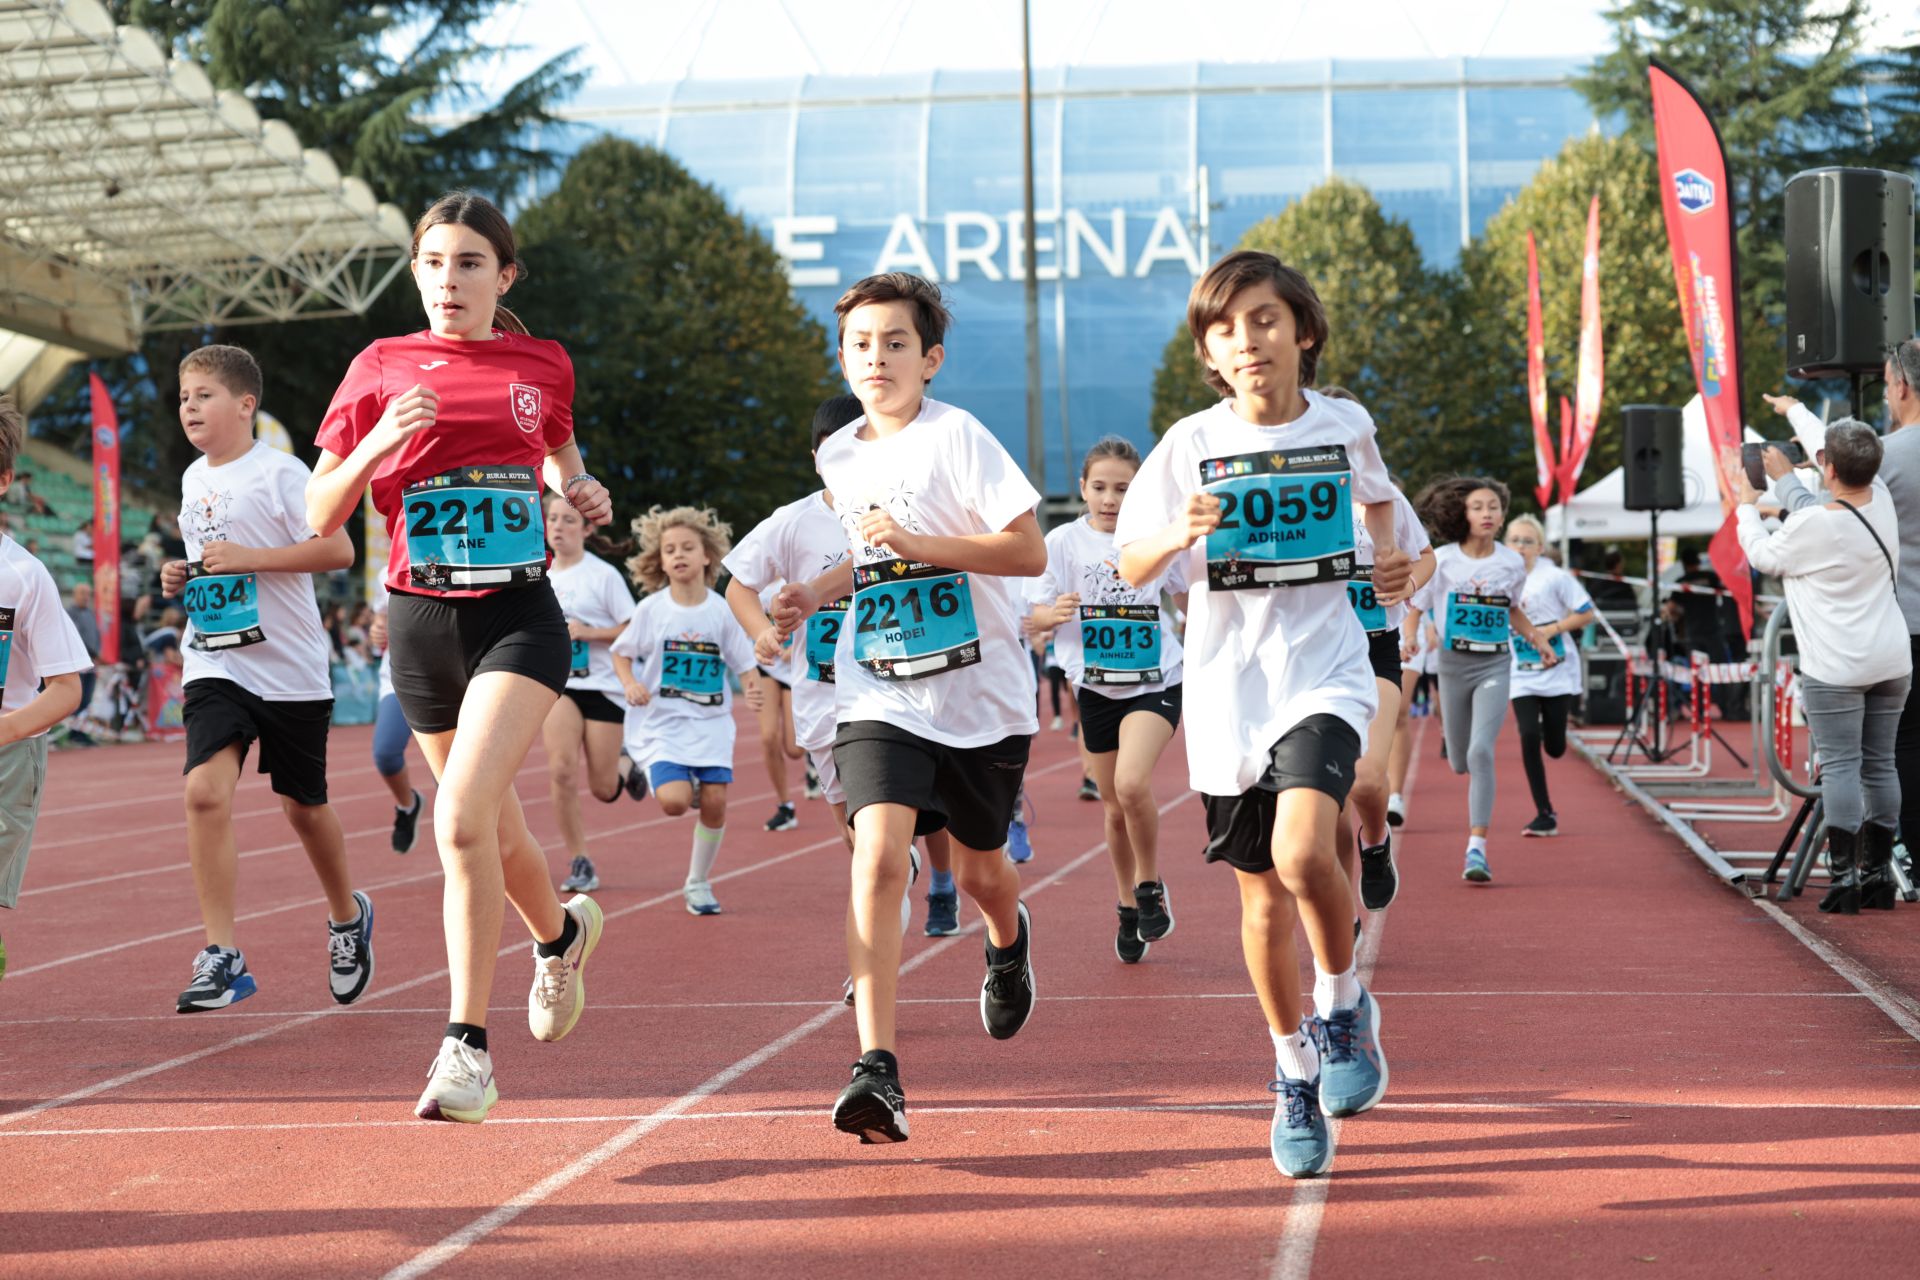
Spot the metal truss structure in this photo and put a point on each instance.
(134, 196)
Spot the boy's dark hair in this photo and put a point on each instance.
(834, 413)
(1442, 505)
(13, 434)
(232, 367)
(930, 314)
(1207, 305)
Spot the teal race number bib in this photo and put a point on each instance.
(475, 527)
(823, 638)
(6, 643)
(1477, 624)
(1366, 605)
(1286, 518)
(1120, 643)
(691, 669)
(1527, 658)
(578, 659)
(223, 607)
(912, 620)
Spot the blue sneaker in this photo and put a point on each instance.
(943, 914)
(220, 978)
(1353, 1067)
(1302, 1147)
(1477, 867)
(1019, 848)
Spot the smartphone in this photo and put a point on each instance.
(1750, 458)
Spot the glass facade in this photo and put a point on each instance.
(1141, 175)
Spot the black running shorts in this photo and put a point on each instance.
(292, 735)
(1383, 652)
(440, 643)
(1100, 716)
(598, 707)
(1318, 754)
(970, 791)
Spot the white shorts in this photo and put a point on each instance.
(824, 769)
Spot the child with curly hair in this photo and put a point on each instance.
(672, 659)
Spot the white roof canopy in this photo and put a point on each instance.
(134, 196)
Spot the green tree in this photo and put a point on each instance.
(698, 372)
(384, 88)
(1387, 317)
(1645, 344)
(1784, 83)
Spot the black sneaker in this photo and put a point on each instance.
(350, 953)
(1379, 881)
(406, 824)
(1089, 789)
(220, 978)
(1006, 997)
(1156, 917)
(783, 819)
(1128, 944)
(873, 1106)
(813, 791)
(1545, 824)
(635, 783)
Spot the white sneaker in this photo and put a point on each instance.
(1056, 724)
(460, 1085)
(700, 899)
(559, 982)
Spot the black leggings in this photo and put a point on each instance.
(1542, 721)
(1057, 680)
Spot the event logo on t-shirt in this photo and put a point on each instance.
(526, 406)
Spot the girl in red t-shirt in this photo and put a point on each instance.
(455, 428)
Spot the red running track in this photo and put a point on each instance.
(1602, 1062)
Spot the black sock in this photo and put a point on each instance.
(883, 1061)
(558, 947)
(1002, 955)
(467, 1033)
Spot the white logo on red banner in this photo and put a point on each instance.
(526, 406)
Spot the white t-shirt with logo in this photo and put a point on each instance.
(257, 500)
(1551, 594)
(593, 593)
(678, 653)
(40, 639)
(1408, 532)
(1082, 560)
(944, 475)
(797, 543)
(1262, 659)
(1504, 573)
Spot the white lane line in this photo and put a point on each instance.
(699, 1006)
(1896, 1004)
(301, 1020)
(1611, 1110)
(148, 832)
(1301, 1232)
(485, 1225)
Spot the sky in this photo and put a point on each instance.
(644, 41)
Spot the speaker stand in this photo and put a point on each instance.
(1857, 395)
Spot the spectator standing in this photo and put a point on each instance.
(80, 609)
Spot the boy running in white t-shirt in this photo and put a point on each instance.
(256, 669)
(1257, 494)
(934, 702)
(38, 642)
(672, 659)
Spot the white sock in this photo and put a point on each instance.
(342, 924)
(1334, 990)
(706, 847)
(1477, 842)
(1395, 803)
(1295, 1055)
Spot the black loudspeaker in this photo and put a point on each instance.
(1849, 269)
(1652, 453)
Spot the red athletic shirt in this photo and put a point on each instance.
(507, 402)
